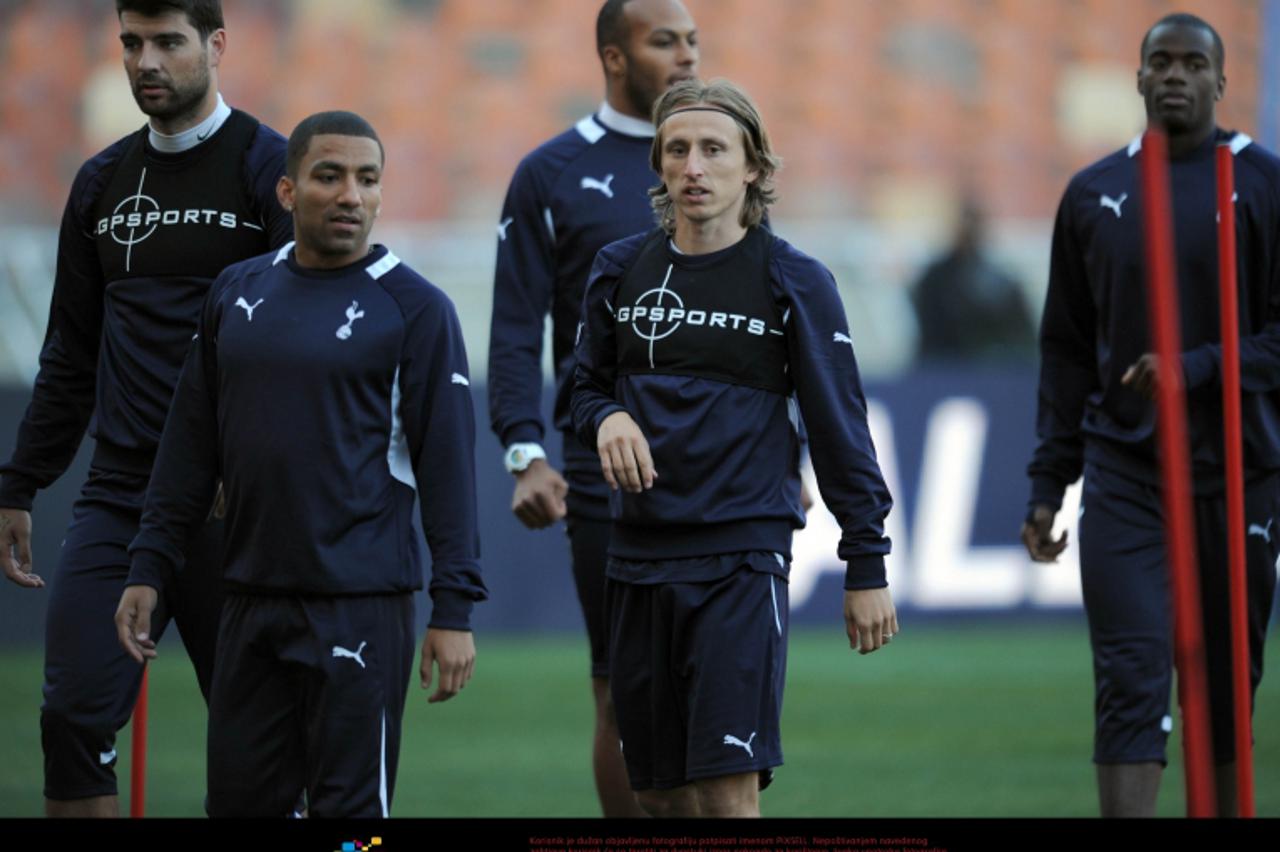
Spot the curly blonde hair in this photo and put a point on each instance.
(723, 96)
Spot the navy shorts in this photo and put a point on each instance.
(589, 543)
(1126, 592)
(90, 683)
(696, 673)
(308, 693)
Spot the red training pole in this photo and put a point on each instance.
(1229, 312)
(1171, 426)
(138, 764)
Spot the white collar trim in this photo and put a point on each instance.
(624, 124)
(192, 136)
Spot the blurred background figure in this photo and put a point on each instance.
(967, 307)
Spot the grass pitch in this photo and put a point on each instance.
(955, 719)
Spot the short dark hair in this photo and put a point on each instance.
(204, 15)
(611, 26)
(337, 122)
(1185, 19)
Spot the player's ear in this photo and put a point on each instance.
(1222, 87)
(217, 44)
(753, 169)
(614, 60)
(285, 193)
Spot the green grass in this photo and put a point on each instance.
(954, 720)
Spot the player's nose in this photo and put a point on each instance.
(1175, 73)
(148, 57)
(687, 56)
(350, 195)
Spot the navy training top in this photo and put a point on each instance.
(1095, 322)
(143, 235)
(324, 399)
(725, 451)
(569, 198)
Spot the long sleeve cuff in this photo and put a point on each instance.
(865, 572)
(524, 432)
(451, 610)
(148, 568)
(1045, 491)
(1200, 366)
(17, 492)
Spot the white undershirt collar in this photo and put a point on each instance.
(192, 136)
(624, 124)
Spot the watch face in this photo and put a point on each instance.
(520, 456)
(517, 459)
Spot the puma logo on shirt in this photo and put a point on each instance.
(1113, 204)
(601, 186)
(248, 308)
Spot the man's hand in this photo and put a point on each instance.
(624, 454)
(1037, 535)
(1143, 375)
(15, 548)
(806, 499)
(869, 618)
(133, 622)
(454, 653)
(539, 497)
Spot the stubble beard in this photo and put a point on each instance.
(641, 96)
(183, 101)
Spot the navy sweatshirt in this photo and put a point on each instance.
(569, 198)
(1095, 321)
(725, 451)
(143, 235)
(324, 399)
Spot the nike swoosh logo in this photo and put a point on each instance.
(200, 138)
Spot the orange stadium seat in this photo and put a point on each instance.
(461, 90)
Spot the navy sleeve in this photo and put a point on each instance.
(439, 427)
(1068, 366)
(264, 166)
(829, 390)
(63, 398)
(523, 288)
(597, 350)
(1259, 352)
(184, 477)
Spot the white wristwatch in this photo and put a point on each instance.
(519, 456)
